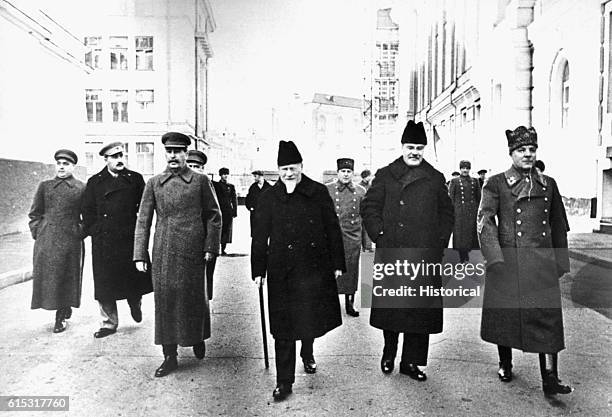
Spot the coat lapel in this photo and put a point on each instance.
(525, 187)
(185, 174)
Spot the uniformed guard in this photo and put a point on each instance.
(56, 227)
(255, 191)
(187, 234)
(523, 238)
(226, 194)
(347, 201)
(464, 191)
(110, 205)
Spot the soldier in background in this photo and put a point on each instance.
(226, 195)
(482, 176)
(464, 192)
(523, 237)
(255, 190)
(56, 227)
(347, 201)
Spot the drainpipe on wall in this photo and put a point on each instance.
(523, 59)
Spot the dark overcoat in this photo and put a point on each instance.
(347, 201)
(228, 203)
(252, 198)
(188, 224)
(521, 223)
(407, 212)
(465, 195)
(297, 244)
(110, 207)
(55, 224)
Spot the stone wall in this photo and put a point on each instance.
(18, 183)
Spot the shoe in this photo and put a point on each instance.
(199, 350)
(348, 304)
(387, 365)
(413, 372)
(310, 366)
(551, 385)
(224, 253)
(168, 365)
(281, 391)
(67, 313)
(103, 332)
(505, 372)
(60, 326)
(136, 313)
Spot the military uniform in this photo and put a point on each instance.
(464, 192)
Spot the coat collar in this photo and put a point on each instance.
(525, 186)
(341, 187)
(70, 181)
(305, 187)
(184, 173)
(125, 174)
(407, 175)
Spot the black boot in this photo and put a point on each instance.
(60, 321)
(170, 363)
(348, 304)
(551, 384)
(67, 312)
(505, 363)
(199, 350)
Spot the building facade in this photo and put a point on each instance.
(150, 63)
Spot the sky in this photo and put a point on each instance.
(266, 50)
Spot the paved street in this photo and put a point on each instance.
(114, 376)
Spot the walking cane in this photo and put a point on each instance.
(262, 311)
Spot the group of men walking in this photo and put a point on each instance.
(306, 243)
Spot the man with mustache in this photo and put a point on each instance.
(523, 237)
(187, 236)
(110, 205)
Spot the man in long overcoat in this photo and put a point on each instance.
(297, 244)
(409, 215)
(523, 237)
(347, 201)
(110, 205)
(464, 192)
(187, 234)
(196, 160)
(366, 182)
(228, 202)
(255, 190)
(55, 224)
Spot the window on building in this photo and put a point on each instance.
(145, 100)
(93, 105)
(321, 124)
(144, 158)
(565, 91)
(93, 56)
(339, 125)
(118, 52)
(144, 53)
(119, 105)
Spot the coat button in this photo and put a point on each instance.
(338, 207)
(545, 210)
(543, 221)
(289, 246)
(544, 188)
(519, 222)
(519, 234)
(543, 233)
(518, 210)
(401, 202)
(527, 179)
(313, 245)
(105, 215)
(545, 198)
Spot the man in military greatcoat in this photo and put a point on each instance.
(409, 215)
(226, 194)
(464, 192)
(523, 237)
(187, 234)
(297, 245)
(347, 201)
(110, 205)
(255, 191)
(56, 227)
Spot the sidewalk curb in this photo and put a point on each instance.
(16, 276)
(593, 260)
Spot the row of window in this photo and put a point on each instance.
(114, 52)
(116, 103)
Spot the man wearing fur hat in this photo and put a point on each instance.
(523, 238)
(347, 201)
(409, 215)
(464, 192)
(297, 245)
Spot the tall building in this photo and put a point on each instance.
(150, 61)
